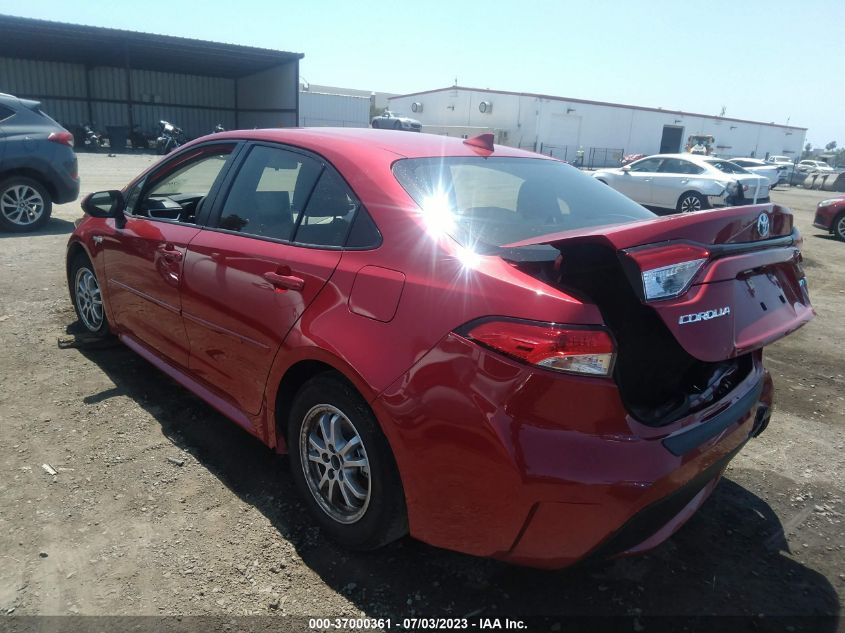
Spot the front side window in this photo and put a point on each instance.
(269, 192)
(176, 192)
(485, 203)
(646, 164)
(5, 112)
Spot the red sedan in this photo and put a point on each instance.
(477, 345)
(830, 216)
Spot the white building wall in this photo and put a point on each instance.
(319, 109)
(560, 127)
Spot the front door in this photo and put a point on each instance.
(144, 256)
(247, 279)
(636, 182)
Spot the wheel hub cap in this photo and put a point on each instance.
(335, 464)
(21, 204)
(88, 299)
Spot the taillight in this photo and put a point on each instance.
(63, 138)
(667, 271)
(564, 348)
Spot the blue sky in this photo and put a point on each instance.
(764, 60)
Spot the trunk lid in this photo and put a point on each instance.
(747, 289)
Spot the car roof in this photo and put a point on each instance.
(351, 141)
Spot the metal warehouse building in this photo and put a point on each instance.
(560, 126)
(117, 78)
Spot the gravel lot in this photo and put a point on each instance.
(162, 506)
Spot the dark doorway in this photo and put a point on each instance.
(671, 141)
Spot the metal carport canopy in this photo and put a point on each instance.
(96, 46)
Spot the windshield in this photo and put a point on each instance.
(490, 202)
(727, 167)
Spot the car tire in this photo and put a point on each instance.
(397, 125)
(838, 227)
(691, 201)
(87, 297)
(25, 204)
(326, 410)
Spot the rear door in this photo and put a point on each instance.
(672, 180)
(144, 254)
(274, 242)
(5, 113)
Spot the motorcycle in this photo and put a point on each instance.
(169, 137)
(91, 139)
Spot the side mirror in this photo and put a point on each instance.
(626, 168)
(104, 204)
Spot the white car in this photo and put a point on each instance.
(686, 182)
(807, 166)
(774, 173)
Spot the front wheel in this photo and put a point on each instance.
(87, 297)
(690, 202)
(839, 227)
(25, 204)
(342, 464)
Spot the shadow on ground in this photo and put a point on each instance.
(56, 226)
(729, 560)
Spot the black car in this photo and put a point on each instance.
(37, 165)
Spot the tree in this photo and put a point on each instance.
(830, 146)
(807, 149)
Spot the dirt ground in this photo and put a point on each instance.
(162, 506)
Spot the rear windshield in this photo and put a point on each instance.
(497, 201)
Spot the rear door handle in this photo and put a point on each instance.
(290, 282)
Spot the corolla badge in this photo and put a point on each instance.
(704, 316)
(763, 225)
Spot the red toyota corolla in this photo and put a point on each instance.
(830, 216)
(477, 345)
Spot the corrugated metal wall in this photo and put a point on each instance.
(61, 88)
(319, 109)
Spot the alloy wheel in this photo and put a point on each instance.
(690, 204)
(839, 227)
(89, 301)
(335, 463)
(21, 205)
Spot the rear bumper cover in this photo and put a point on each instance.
(532, 467)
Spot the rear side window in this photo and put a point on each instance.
(727, 167)
(5, 112)
(269, 192)
(329, 214)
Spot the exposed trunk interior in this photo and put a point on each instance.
(658, 380)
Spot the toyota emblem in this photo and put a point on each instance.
(763, 225)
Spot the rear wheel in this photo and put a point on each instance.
(839, 227)
(397, 125)
(87, 298)
(25, 205)
(343, 466)
(690, 202)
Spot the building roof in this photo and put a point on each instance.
(28, 38)
(600, 103)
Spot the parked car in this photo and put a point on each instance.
(808, 166)
(37, 165)
(775, 173)
(390, 121)
(470, 342)
(830, 216)
(686, 182)
(787, 164)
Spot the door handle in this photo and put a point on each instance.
(170, 253)
(289, 282)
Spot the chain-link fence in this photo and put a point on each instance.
(604, 157)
